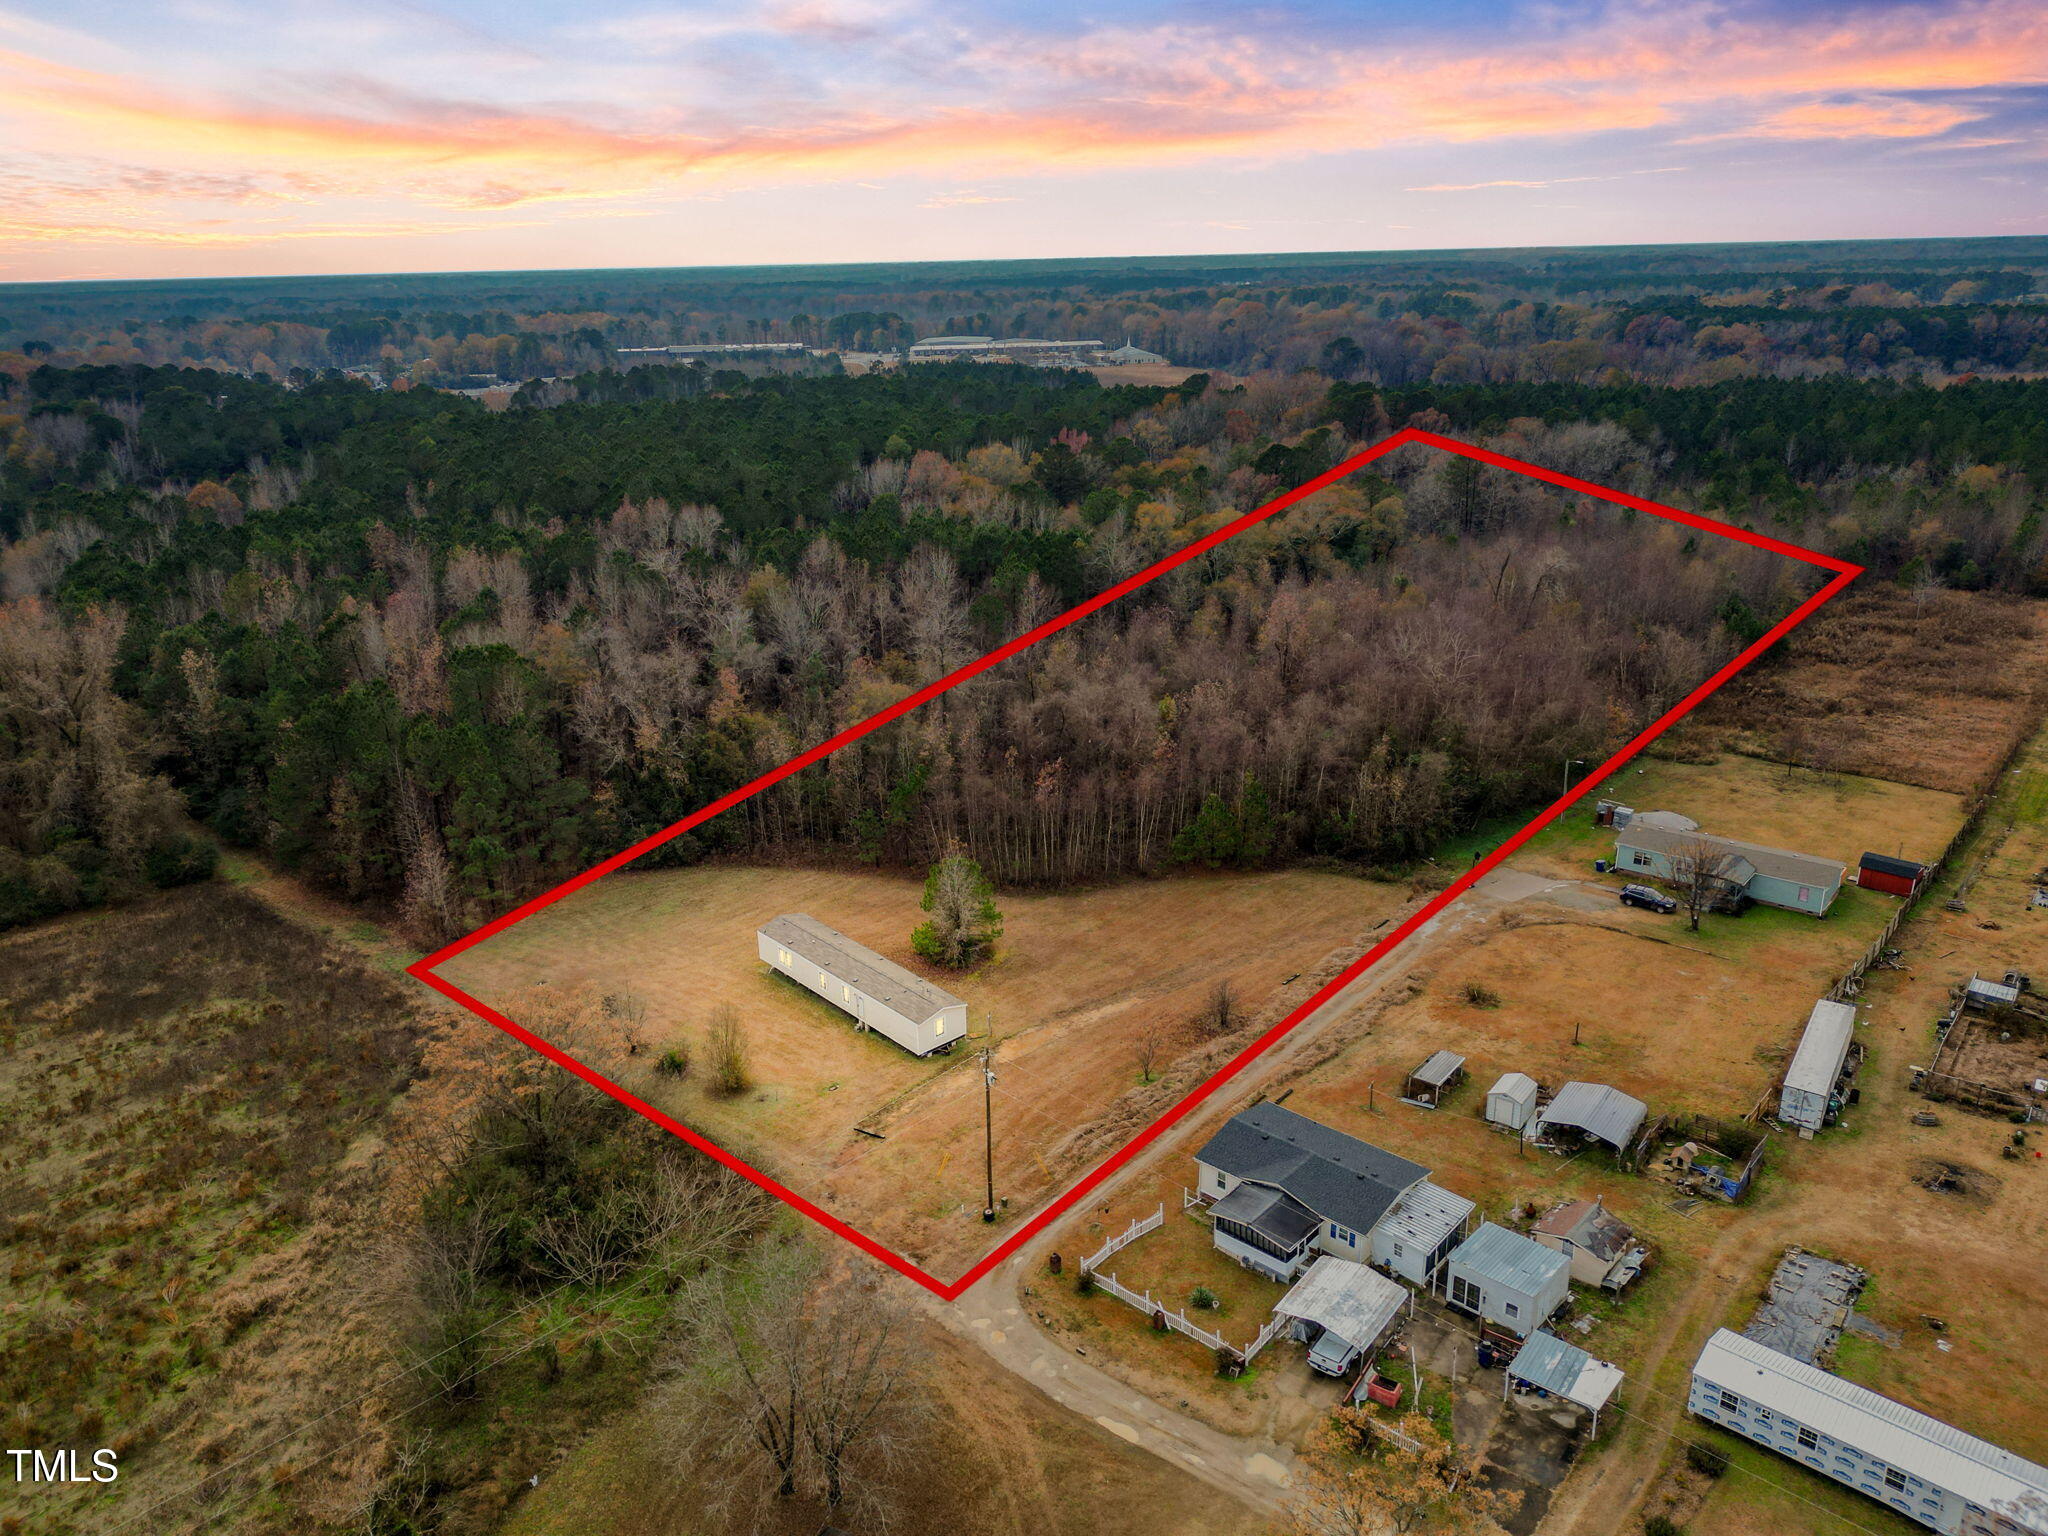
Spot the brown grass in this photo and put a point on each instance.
(1878, 684)
(1079, 979)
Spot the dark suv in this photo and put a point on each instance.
(1643, 896)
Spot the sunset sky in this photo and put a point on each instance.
(204, 137)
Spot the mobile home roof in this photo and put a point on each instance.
(880, 978)
(1510, 1259)
(1821, 1048)
(1915, 1443)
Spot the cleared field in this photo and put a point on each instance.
(1079, 981)
(1922, 691)
(1835, 816)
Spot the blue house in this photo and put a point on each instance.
(1774, 877)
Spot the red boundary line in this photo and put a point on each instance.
(423, 969)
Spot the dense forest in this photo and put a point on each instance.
(1678, 314)
(435, 655)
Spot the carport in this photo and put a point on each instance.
(1341, 1310)
(1596, 1110)
(1548, 1365)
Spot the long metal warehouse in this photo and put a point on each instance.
(880, 994)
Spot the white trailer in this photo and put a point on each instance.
(880, 994)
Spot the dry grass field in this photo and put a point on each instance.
(1877, 683)
(1078, 981)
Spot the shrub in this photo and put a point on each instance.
(729, 1074)
(1481, 997)
(180, 861)
(675, 1061)
(1204, 1298)
(1084, 1283)
(1662, 1525)
(1706, 1459)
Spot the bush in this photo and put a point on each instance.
(1084, 1283)
(1706, 1459)
(675, 1061)
(729, 1074)
(1662, 1525)
(1481, 997)
(1204, 1298)
(180, 861)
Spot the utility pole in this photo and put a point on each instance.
(1569, 764)
(988, 1128)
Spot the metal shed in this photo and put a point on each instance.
(1428, 1083)
(1548, 1364)
(1882, 872)
(1507, 1279)
(1512, 1101)
(1810, 1080)
(1341, 1310)
(880, 994)
(1596, 1110)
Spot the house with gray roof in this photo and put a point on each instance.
(1776, 877)
(892, 1000)
(1283, 1188)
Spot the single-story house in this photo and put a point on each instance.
(880, 994)
(1809, 1093)
(1506, 1279)
(1596, 1110)
(1428, 1083)
(1776, 877)
(1341, 1310)
(1546, 1364)
(1882, 872)
(1601, 1246)
(1284, 1188)
(1512, 1101)
(1926, 1470)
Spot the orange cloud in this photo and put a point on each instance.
(1863, 120)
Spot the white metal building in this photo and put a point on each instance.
(1512, 1101)
(1504, 1278)
(1817, 1066)
(1596, 1110)
(880, 994)
(1926, 1470)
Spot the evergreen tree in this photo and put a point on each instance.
(964, 923)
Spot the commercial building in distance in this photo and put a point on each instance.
(880, 994)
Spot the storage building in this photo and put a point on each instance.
(880, 994)
(1809, 1091)
(1512, 1101)
(1926, 1470)
(1882, 872)
(1601, 1246)
(1506, 1279)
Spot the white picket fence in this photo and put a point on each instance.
(1131, 1234)
(1177, 1321)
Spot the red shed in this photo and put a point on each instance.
(1881, 872)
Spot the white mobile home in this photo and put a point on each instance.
(880, 994)
(1506, 1279)
(1809, 1091)
(1926, 1470)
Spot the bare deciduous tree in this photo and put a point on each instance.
(1220, 1013)
(729, 1072)
(802, 1381)
(1702, 871)
(1358, 1477)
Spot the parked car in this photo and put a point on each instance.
(1652, 901)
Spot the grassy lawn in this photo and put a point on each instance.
(1763, 1494)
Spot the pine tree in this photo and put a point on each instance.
(964, 923)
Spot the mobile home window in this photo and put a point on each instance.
(1511, 1309)
(1807, 1438)
(1894, 1478)
(1640, 860)
(782, 955)
(1464, 1293)
(1730, 1403)
(847, 993)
